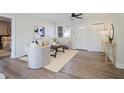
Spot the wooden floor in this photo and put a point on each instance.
(85, 65)
(4, 53)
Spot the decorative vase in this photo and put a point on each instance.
(34, 43)
(110, 40)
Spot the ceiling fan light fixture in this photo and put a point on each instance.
(75, 15)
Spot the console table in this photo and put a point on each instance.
(110, 52)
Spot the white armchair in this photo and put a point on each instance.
(38, 57)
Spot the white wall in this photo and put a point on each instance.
(24, 30)
(91, 40)
(118, 21)
(92, 37)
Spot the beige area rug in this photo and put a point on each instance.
(56, 64)
(4, 53)
(25, 58)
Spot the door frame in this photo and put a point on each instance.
(13, 35)
(75, 37)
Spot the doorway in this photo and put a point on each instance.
(5, 36)
(79, 35)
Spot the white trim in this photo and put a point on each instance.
(13, 38)
(13, 35)
(118, 65)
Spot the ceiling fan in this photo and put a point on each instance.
(76, 15)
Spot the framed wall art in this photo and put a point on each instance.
(39, 32)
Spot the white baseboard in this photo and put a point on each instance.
(118, 65)
(19, 55)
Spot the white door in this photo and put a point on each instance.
(79, 35)
(83, 37)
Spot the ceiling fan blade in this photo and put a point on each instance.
(79, 17)
(79, 14)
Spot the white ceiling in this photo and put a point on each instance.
(64, 17)
(54, 17)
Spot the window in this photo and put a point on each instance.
(64, 31)
(60, 31)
